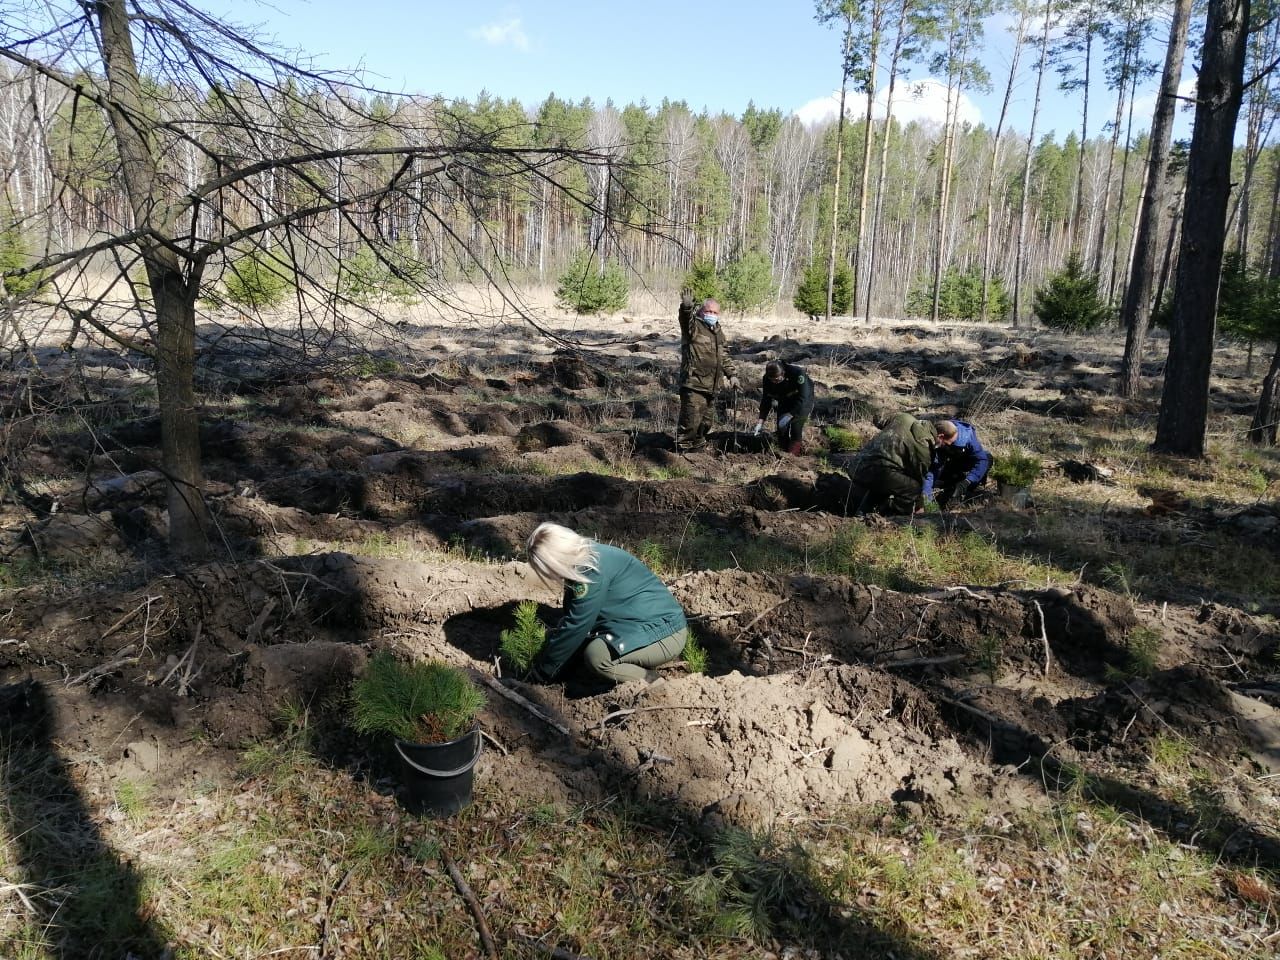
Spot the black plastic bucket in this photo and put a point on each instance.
(438, 776)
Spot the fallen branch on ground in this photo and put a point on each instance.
(1044, 637)
(627, 711)
(921, 662)
(464, 891)
(555, 953)
(528, 705)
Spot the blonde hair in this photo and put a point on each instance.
(558, 555)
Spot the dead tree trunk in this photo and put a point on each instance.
(1135, 315)
(1184, 405)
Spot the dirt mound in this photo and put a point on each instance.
(753, 749)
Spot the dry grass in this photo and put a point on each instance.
(295, 856)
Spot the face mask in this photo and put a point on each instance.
(710, 319)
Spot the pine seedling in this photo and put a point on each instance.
(522, 643)
(427, 702)
(694, 654)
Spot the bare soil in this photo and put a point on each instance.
(356, 514)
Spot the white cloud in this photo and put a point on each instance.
(924, 100)
(503, 33)
(1144, 105)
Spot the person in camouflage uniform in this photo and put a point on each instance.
(704, 369)
(890, 470)
(790, 389)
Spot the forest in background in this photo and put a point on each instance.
(721, 187)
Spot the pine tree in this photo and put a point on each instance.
(586, 288)
(811, 294)
(748, 282)
(1070, 300)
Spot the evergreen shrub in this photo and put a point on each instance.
(1071, 300)
(586, 288)
(811, 294)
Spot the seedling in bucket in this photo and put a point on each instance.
(429, 709)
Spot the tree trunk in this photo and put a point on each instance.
(1078, 212)
(954, 70)
(835, 195)
(865, 174)
(1020, 256)
(882, 172)
(1184, 405)
(988, 213)
(174, 293)
(1135, 315)
(1263, 428)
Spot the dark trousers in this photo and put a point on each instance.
(696, 414)
(791, 437)
(887, 492)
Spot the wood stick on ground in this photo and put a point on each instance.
(496, 742)
(1044, 637)
(323, 948)
(464, 891)
(627, 711)
(101, 670)
(528, 705)
(921, 662)
(555, 953)
(125, 619)
(758, 617)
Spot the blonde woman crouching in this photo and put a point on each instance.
(621, 616)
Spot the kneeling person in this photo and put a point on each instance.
(622, 617)
(790, 389)
(959, 463)
(891, 468)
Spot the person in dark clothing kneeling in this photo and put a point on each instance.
(790, 389)
(889, 472)
(622, 617)
(959, 463)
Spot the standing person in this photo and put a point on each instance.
(622, 617)
(790, 389)
(889, 474)
(960, 462)
(704, 368)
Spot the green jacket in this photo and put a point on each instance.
(622, 598)
(703, 364)
(904, 446)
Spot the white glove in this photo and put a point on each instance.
(759, 427)
(783, 421)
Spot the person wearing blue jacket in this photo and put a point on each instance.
(622, 617)
(960, 462)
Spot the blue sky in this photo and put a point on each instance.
(717, 54)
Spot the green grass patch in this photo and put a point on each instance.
(842, 440)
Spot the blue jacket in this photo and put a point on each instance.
(966, 455)
(623, 598)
